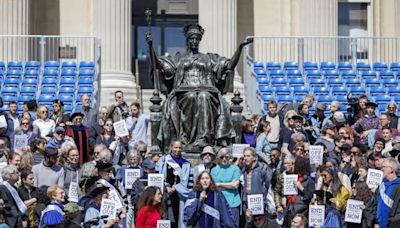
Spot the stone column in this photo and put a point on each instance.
(112, 24)
(218, 18)
(14, 21)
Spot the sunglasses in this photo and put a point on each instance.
(25, 123)
(60, 133)
(222, 157)
(108, 125)
(44, 111)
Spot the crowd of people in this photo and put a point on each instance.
(59, 170)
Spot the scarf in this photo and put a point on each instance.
(383, 208)
(206, 220)
(179, 159)
(20, 204)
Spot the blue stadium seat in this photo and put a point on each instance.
(51, 65)
(387, 74)
(352, 82)
(348, 74)
(257, 65)
(28, 90)
(316, 82)
(48, 90)
(357, 90)
(284, 98)
(23, 98)
(267, 98)
(310, 66)
(342, 98)
(85, 81)
(325, 98)
(378, 66)
(278, 82)
(32, 65)
(66, 98)
(395, 66)
(397, 98)
(314, 74)
(78, 107)
(49, 81)
(29, 82)
(14, 65)
(372, 82)
(331, 74)
(276, 74)
(88, 65)
(258, 72)
(390, 82)
(67, 81)
(68, 65)
(378, 90)
(2, 66)
(68, 108)
(262, 80)
(320, 91)
(382, 107)
(10, 91)
(368, 74)
(339, 90)
(273, 65)
(46, 98)
(50, 72)
(296, 82)
(300, 90)
(31, 74)
(327, 66)
(342, 66)
(67, 89)
(14, 82)
(88, 89)
(334, 82)
(393, 91)
(293, 74)
(290, 65)
(363, 66)
(299, 98)
(383, 98)
(13, 73)
(68, 72)
(7, 98)
(264, 89)
(283, 90)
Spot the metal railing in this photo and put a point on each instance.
(317, 49)
(58, 48)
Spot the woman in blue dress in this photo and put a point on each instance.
(53, 215)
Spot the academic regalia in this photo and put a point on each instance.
(52, 215)
(94, 212)
(212, 213)
(80, 134)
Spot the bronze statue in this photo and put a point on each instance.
(195, 111)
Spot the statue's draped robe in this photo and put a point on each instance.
(195, 111)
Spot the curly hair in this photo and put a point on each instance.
(364, 193)
(302, 166)
(197, 186)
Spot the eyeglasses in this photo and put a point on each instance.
(60, 133)
(25, 123)
(222, 157)
(299, 149)
(273, 155)
(44, 111)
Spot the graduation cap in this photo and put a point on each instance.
(98, 190)
(103, 166)
(87, 183)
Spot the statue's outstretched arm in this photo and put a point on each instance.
(154, 61)
(235, 58)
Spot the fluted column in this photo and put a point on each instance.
(218, 18)
(112, 24)
(14, 21)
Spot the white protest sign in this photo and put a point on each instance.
(316, 215)
(353, 211)
(120, 128)
(73, 195)
(289, 187)
(3, 122)
(114, 196)
(156, 179)
(130, 176)
(20, 141)
(237, 150)
(256, 204)
(163, 224)
(374, 178)
(316, 154)
(108, 208)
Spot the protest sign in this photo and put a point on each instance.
(73, 195)
(109, 208)
(156, 179)
(256, 204)
(237, 150)
(316, 215)
(130, 176)
(120, 128)
(374, 178)
(114, 196)
(163, 224)
(316, 154)
(289, 187)
(20, 141)
(353, 211)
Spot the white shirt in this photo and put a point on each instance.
(273, 136)
(15, 120)
(45, 126)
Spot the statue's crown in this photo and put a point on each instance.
(193, 29)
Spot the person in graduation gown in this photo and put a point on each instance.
(86, 185)
(80, 134)
(53, 215)
(178, 178)
(206, 207)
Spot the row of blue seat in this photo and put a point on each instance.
(35, 65)
(327, 74)
(47, 72)
(309, 65)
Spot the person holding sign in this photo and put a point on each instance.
(263, 148)
(388, 208)
(177, 173)
(151, 208)
(71, 170)
(362, 193)
(206, 207)
(134, 159)
(80, 134)
(53, 214)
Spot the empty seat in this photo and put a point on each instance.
(368, 74)
(46, 98)
(259, 72)
(66, 98)
(393, 91)
(397, 98)
(32, 65)
(264, 89)
(310, 65)
(341, 98)
(49, 81)
(85, 81)
(395, 66)
(378, 90)
(357, 90)
(314, 74)
(67, 89)
(24, 98)
(14, 65)
(378, 66)
(14, 82)
(352, 82)
(68, 72)
(316, 82)
(67, 81)
(89, 65)
(284, 98)
(51, 65)
(28, 91)
(342, 66)
(267, 98)
(293, 74)
(7, 98)
(296, 82)
(348, 74)
(387, 82)
(262, 80)
(10, 91)
(363, 66)
(13, 73)
(387, 74)
(372, 82)
(331, 74)
(2, 66)
(334, 82)
(278, 82)
(290, 65)
(276, 73)
(50, 72)
(283, 90)
(257, 65)
(339, 90)
(300, 90)
(48, 90)
(273, 66)
(29, 82)
(383, 98)
(68, 65)
(325, 98)
(31, 73)
(320, 91)
(327, 66)
(299, 98)
(68, 108)
(89, 89)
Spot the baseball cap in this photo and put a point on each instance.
(339, 117)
